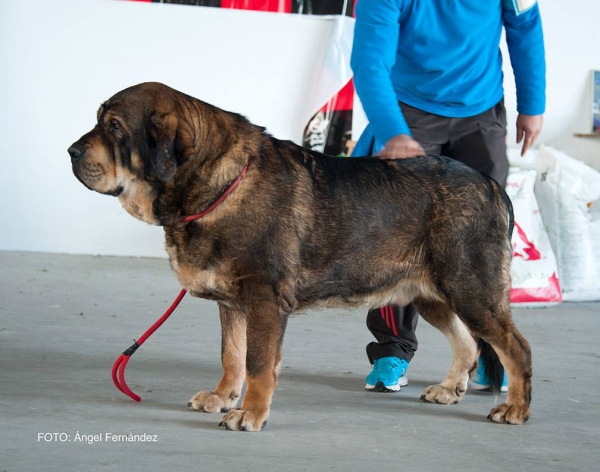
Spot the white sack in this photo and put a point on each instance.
(568, 193)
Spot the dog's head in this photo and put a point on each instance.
(134, 149)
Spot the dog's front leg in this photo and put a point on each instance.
(266, 326)
(233, 357)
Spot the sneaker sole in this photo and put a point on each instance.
(379, 387)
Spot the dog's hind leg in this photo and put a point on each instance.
(515, 355)
(490, 320)
(451, 390)
(233, 357)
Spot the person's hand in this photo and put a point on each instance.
(528, 127)
(401, 146)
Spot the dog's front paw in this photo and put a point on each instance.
(244, 420)
(509, 414)
(210, 402)
(442, 395)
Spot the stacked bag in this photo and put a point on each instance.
(568, 194)
(556, 240)
(534, 270)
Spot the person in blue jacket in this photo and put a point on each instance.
(429, 77)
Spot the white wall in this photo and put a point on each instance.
(61, 58)
(571, 36)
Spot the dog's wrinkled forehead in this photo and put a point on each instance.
(125, 111)
(137, 103)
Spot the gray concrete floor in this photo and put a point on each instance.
(64, 320)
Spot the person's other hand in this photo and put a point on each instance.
(528, 127)
(401, 146)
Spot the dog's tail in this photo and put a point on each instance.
(499, 191)
(511, 216)
(491, 366)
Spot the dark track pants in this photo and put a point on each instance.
(478, 141)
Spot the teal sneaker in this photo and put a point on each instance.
(480, 381)
(388, 375)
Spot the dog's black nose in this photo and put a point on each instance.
(76, 151)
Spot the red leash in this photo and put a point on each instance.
(118, 376)
(118, 370)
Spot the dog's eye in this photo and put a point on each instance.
(114, 125)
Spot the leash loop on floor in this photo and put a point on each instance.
(118, 370)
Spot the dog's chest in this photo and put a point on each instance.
(201, 279)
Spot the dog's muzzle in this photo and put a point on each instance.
(76, 151)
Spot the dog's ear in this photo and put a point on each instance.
(164, 130)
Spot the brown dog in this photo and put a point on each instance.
(303, 230)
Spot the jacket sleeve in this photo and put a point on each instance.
(376, 36)
(525, 40)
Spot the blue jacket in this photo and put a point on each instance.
(443, 57)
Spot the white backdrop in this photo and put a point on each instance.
(571, 38)
(60, 59)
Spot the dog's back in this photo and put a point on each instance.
(375, 226)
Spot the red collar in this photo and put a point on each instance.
(219, 200)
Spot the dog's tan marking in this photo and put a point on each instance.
(513, 355)
(98, 170)
(256, 405)
(206, 283)
(137, 195)
(227, 393)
